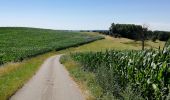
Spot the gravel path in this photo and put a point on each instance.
(51, 82)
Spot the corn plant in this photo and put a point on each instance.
(147, 72)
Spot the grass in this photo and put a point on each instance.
(86, 80)
(14, 75)
(116, 44)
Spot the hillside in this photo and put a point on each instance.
(18, 43)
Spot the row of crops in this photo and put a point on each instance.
(145, 74)
(17, 44)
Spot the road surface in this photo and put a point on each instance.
(51, 82)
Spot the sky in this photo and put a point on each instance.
(84, 14)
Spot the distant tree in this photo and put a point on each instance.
(162, 35)
(125, 30)
(153, 38)
(136, 32)
(143, 32)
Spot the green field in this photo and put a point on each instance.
(17, 44)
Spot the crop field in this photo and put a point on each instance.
(17, 44)
(129, 74)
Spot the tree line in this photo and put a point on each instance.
(135, 32)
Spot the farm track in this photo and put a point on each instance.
(51, 82)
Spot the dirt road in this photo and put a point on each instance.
(51, 82)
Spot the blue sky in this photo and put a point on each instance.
(84, 14)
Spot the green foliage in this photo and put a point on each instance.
(162, 35)
(135, 32)
(167, 43)
(146, 72)
(17, 44)
(131, 31)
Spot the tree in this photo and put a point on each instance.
(143, 32)
(137, 32)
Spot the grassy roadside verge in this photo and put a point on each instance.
(85, 80)
(14, 75)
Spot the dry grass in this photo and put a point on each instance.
(117, 44)
(7, 68)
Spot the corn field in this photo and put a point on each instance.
(146, 72)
